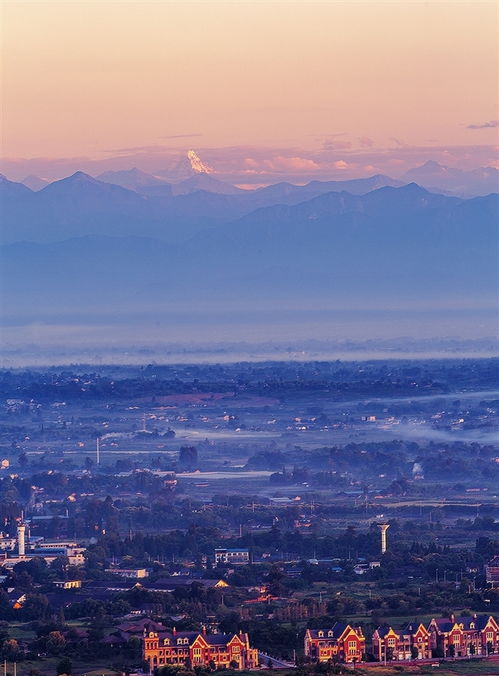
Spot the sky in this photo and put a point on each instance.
(259, 88)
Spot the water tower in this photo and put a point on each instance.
(21, 543)
(383, 528)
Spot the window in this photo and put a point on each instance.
(472, 625)
(320, 634)
(329, 633)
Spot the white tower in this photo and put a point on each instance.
(383, 528)
(21, 542)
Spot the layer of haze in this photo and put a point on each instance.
(266, 91)
(89, 78)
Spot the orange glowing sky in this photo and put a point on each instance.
(89, 79)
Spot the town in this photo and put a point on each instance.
(249, 516)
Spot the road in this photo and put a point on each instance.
(265, 659)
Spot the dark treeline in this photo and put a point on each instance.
(375, 378)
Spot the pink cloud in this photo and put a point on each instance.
(366, 142)
(341, 164)
(281, 163)
(335, 144)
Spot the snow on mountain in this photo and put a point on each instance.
(185, 167)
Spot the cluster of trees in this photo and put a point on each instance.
(375, 377)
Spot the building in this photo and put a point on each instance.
(444, 637)
(232, 556)
(23, 548)
(411, 642)
(67, 584)
(7, 543)
(420, 641)
(341, 643)
(462, 636)
(191, 648)
(131, 573)
(492, 572)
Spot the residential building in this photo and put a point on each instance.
(492, 572)
(462, 636)
(67, 584)
(232, 556)
(131, 573)
(341, 642)
(420, 640)
(411, 642)
(193, 648)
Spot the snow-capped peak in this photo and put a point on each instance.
(196, 164)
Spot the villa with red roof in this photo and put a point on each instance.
(341, 643)
(466, 635)
(411, 642)
(194, 648)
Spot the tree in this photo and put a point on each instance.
(135, 647)
(55, 642)
(60, 564)
(65, 666)
(35, 607)
(10, 649)
(188, 456)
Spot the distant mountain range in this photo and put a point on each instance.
(35, 182)
(106, 249)
(137, 204)
(435, 176)
(189, 174)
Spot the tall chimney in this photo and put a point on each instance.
(21, 546)
(383, 528)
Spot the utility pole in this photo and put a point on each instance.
(97, 451)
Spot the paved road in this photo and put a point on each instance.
(264, 660)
